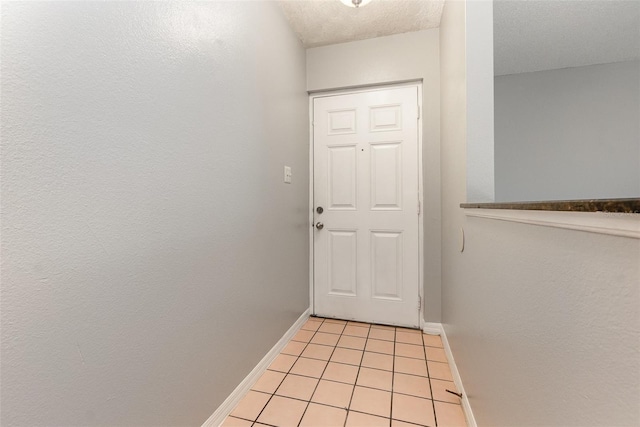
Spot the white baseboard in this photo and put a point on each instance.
(432, 328)
(234, 398)
(437, 329)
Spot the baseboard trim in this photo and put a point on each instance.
(437, 329)
(227, 406)
(432, 328)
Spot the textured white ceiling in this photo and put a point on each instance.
(534, 35)
(323, 22)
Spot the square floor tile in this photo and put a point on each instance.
(432, 340)
(236, 422)
(332, 393)
(378, 361)
(311, 325)
(347, 355)
(355, 343)
(439, 389)
(413, 409)
(282, 411)
(385, 327)
(396, 423)
(283, 362)
(309, 367)
(379, 346)
(316, 351)
(331, 328)
(269, 381)
(341, 372)
(325, 339)
(297, 387)
(357, 419)
(250, 405)
(293, 348)
(411, 384)
(439, 370)
(409, 330)
(361, 324)
(409, 337)
(323, 416)
(336, 321)
(450, 415)
(382, 334)
(303, 336)
(406, 365)
(370, 401)
(374, 378)
(410, 350)
(355, 331)
(436, 354)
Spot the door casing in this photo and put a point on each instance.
(331, 92)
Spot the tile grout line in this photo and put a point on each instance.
(341, 407)
(340, 335)
(321, 375)
(393, 372)
(426, 362)
(363, 386)
(357, 375)
(287, 373)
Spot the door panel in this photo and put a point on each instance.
(386, 176)
(342, 262)
(386, 265)
(342, 177)
(366, 181)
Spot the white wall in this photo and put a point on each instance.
(480, 131)
(543, 323)
(572, 133)
(401, 57)
(142, 201)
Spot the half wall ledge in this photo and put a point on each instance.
(580, 205)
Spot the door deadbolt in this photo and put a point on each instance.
(319, 225)
(319, 209)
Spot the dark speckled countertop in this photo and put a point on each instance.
(584, 205)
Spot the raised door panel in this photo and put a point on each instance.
(341, 122)
(386, 265)
(342, 177)
(342, 259)
(386, 176)
(385, 118)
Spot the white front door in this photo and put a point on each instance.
(365, 174)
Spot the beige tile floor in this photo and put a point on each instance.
(339, 373)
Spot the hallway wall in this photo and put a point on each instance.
(151, 254)
(571, 133)
(543, 322)
(397, 58)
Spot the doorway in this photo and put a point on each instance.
(366, 205)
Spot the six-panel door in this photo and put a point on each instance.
(366, 181)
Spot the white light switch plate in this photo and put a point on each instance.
(287, 175)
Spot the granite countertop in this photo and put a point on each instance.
(583, 205)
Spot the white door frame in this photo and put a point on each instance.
(332, 92)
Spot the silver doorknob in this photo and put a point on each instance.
(319, 225)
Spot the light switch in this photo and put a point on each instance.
(287, 175)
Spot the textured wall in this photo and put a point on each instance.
(543, 323)
(142, 201)
(572, 133)
(401, 57)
